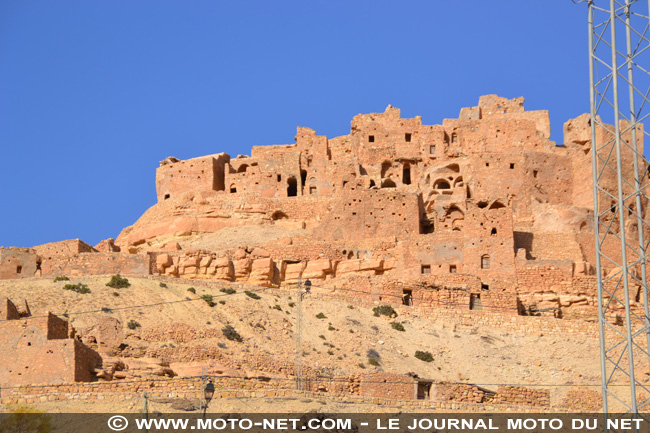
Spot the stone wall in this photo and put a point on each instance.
(458, 392)
(39, 351)
(520, 395)
(63, 248)
(96, 264)
(388, 385)
(18, 263)
(227, 388)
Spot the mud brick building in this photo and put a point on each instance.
(40, 350)
(482, 211)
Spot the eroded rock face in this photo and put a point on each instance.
(105, 336)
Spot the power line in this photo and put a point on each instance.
(261, 289)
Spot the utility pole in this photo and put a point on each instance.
(298, 366)
(145, 408)
(204, 372)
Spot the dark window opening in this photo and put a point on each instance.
(385, 166)
(407, 297)
(279, 215)
(279, 178)
(443, 184)
(432, 149)
(303, 180)
(312, 190)
(407, 137)
(485, 262)
(388, 183)
(424, 390)
(19, 269)
(426, 227)
(485, 287)
(38, 265)
(406, 174)
(233, 189)
(425, 269)
(292, 187)
(372, 183)
(452, 269)
(454, 138)
(345, 182)
(371, 139)
(487, 164)
(494, 231)
(167, 196)
(534, 173)
(242, 168)
(475, 301)
(512, 166)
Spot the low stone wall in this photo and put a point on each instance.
(458, 392)
(520, 395)
(81, 264)
(228, 388)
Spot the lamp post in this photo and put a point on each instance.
(208, 393)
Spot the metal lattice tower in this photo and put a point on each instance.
(619, 65)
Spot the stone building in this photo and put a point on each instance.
(484, 207)
(41, 350)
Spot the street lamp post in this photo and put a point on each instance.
(208, 393)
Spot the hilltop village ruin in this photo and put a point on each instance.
(483, 213)
(485, 209)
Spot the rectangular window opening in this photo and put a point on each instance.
(371, 139)
(407, 137)
(452, 269)
(407, 297)
(425, 269)
(475, 301)
(19, 269)
(512, 166)
(432, 149)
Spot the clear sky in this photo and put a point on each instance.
(93, 94)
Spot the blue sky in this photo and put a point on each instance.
(94, 94)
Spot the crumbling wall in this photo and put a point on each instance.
(41, 352)
(388, 385)
(175, 177)
(18, 263)
(64, 248)
(96, 264)
(523, 396)
(363, 214)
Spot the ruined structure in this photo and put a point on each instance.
(483, 211)
(40, 350)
